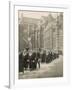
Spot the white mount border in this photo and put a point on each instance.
(12, 41)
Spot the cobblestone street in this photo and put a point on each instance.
(53, 69)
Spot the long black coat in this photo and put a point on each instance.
(32, 63)
(20, 62)
(25, 63)
(49, 58)
(43, 57)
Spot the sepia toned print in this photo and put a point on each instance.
(40, 44)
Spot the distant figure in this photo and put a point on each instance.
(43, 57)
(48, 57)
(38, 57)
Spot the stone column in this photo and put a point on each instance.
(50, 32)
(57, 35)
(28, 30)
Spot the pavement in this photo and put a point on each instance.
(53, 69)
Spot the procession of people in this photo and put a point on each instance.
(32, 59)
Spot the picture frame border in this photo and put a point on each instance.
(12, 6)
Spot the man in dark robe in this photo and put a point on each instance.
(43, 57)
(32, 60)
(21, 62)
(25, 59)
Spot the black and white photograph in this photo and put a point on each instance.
(36, 44)
(40, 44)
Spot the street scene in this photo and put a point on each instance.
(54, 69)
(40, 44)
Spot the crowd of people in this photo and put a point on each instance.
(30, 59)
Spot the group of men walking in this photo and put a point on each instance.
(29, 59)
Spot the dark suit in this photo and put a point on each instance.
(25, 63)
(20, 62)
(32, 61)
(43, 57)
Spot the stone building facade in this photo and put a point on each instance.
(29, 34)
(46, 32)
(53, 33)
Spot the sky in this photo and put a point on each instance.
(35, 14)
